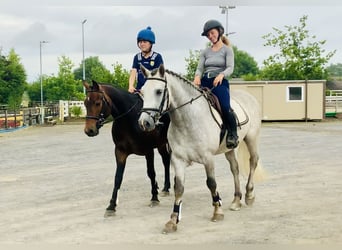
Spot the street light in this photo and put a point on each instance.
(224, 10)
(41, 83)
(83, 62)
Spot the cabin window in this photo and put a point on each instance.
(294, 94)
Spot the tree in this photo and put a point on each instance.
(244, 65)
(12, 79)
(60, 87)
(3, 84)
(120, 76)
(335, 70)
(299, 57)
(94, 70)
(192, 63)
(33, 91)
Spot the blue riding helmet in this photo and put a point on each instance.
(146, 35)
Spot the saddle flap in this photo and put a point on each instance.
(212, 99)
(240, 114)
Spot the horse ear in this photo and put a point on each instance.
(143, 70)
(95, 85)
(161, 70)
(86, 85)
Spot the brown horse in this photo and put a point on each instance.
(103, 100)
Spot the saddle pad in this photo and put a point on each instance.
(242, 117)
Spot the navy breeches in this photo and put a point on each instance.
(220, 91)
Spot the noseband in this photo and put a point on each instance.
(158, 112)
(100, 119)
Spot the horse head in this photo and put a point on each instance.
(97, 106)
(155, 96)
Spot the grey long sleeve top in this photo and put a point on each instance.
(221, 61)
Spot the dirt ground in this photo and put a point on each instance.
(55, 183)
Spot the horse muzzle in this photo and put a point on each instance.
(93, 125)
(91, 131)
(146, 122)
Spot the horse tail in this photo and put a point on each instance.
(243, 156)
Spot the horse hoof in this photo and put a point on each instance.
(165, 193)
(170, 227)
(249, 200)
(154, 203)
(109, 213)
(235, 207)
(217, 217)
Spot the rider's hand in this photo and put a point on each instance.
(131, 89)
(218, 79)
(197, 80)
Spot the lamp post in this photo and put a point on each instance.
(41, 82)
(83, 62)
(224, 10)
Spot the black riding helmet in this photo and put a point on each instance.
(212, 24)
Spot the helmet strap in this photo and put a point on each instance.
(218, 39)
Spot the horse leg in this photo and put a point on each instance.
(253, 162)
(121, 158)
(211, 184)
(151, 173)
(166, 162)
(179, 167)
(234, 167)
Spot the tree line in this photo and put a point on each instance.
(299, 57)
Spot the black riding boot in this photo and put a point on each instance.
(230, 123)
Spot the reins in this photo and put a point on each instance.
(168, 110)
(100, 118)
(203, 93)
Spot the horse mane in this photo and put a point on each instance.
(110, 90)
(183, 79)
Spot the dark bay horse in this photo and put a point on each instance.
(103, 100)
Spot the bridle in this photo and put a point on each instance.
(100, 119)
(158, 113)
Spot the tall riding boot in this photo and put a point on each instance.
(232, 136)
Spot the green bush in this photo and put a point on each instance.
(76, 111)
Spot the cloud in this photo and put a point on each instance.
(111, 29)
(31, 36)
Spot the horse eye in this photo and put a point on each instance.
(159, 92)
(98, 104)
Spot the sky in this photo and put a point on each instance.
(111, 28)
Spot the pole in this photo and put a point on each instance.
(227, 22)
(83, 61)
(41, 82)
(224, 10)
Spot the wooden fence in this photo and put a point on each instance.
(17, 118)
(333, 103)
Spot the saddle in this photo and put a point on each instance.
(212, 99)
(214, 102)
